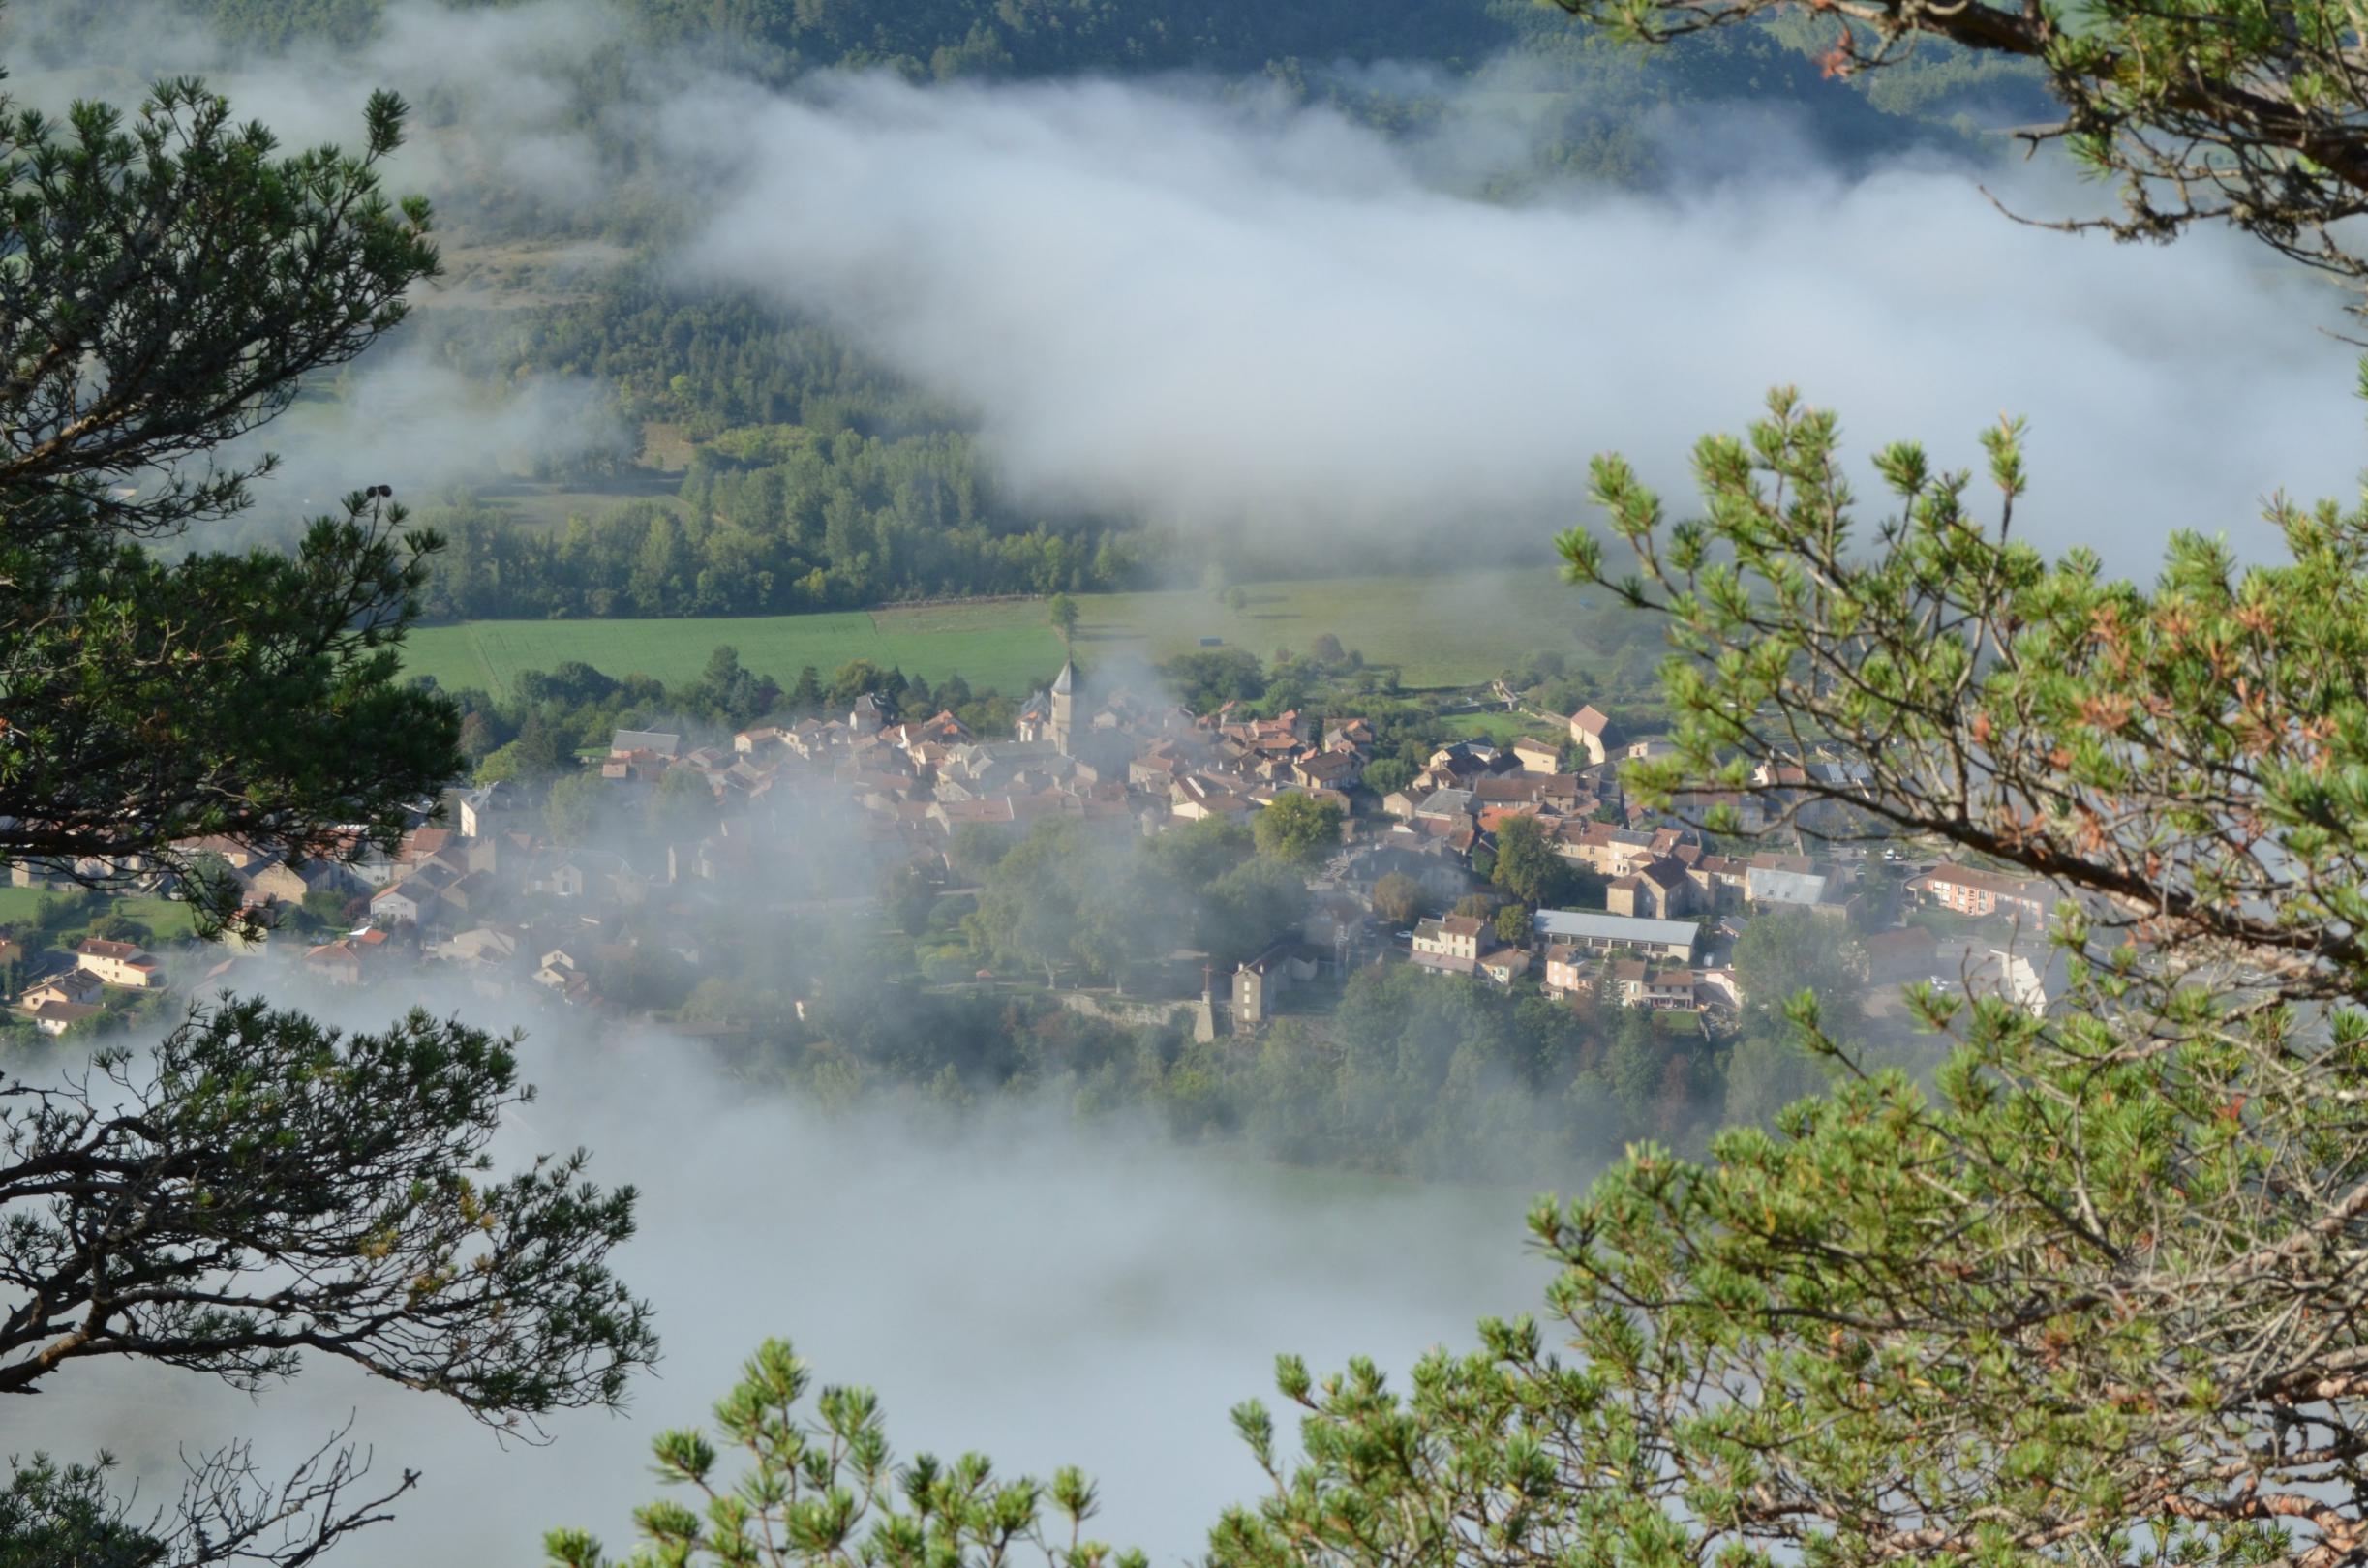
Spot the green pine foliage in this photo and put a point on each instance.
(164, 292)
(2085, 1294)
(254, 1188)
(821, 1487)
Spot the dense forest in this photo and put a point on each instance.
(815, 482)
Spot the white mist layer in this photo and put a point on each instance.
(405, 420)
(1167, 304)
(1199, 305)
(1025, 1288)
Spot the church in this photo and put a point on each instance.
(1051, 715)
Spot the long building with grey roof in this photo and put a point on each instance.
(1619, 933)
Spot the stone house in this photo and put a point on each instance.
(1973, 891)
(1587, 727)
(1658, 890)
(1261, 983)
(1450, 944)
(1570, 970)
(1537, 755)
(1631, 982)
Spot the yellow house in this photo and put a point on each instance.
(118, 963)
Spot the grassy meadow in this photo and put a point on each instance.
(1502, 729)
(1438, 631)
(1001, 645)
(168, 917)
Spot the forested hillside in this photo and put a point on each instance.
(952, 37)
(748, 460)
(1295, 43)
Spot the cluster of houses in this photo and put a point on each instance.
(809, 811)
(1632, 961)
(816, 810)
(1672, 904)
(78, 990)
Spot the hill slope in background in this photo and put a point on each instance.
(707, 452)
(1298, 45)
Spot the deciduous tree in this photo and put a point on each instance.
(1398, 898)
(1298, 830)
(1386, 776)
(1254, 905)
(1783, 953)
(573, 810)
(1528, 868)
(682, 808)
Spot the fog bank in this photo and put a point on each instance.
(1168, 302)
(1198, 302)
(1012, 1284)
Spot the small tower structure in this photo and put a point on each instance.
(1064, 706)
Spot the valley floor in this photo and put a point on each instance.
(1438, 631)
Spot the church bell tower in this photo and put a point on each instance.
(1064, 706)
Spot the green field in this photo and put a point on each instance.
(168, 917)
(1438, 631)
(538, 504)
(1000, 646)
(1502, 729)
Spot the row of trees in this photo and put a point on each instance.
(813, 536)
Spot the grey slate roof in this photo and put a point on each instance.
(1588, 926)
(1773, 887)
(1446, 803)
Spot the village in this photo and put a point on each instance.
(815, 813)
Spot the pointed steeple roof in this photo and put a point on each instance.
(1065, 683)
